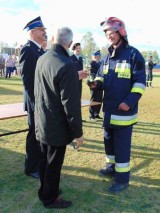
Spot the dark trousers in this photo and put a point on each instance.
(50, 166)
(149, 78)
(32, 148)
(2, 70)
(8, 72)
(96, 95)
(118, 144)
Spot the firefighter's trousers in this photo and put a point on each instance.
(118, 148)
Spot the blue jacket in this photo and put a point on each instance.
(94, 67)
(122, 77)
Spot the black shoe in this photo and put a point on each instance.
(34, 174)
(83, 120)
(98, 117)
(59, 203)
(108, 171)
(40, 195)
(118, 187)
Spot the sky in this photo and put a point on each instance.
(140, 17)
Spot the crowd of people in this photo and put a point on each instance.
(8, 67)
(52, 82)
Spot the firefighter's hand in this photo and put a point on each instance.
(79, 142)
(124, 107)
(82, 74)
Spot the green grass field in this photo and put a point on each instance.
(80, 181)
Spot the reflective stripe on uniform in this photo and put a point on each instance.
(110, 158)
(123, 67)
(138, 88)
(99, 79)
(123, 70)
(105, 69)
(122, 167)
(123, 120)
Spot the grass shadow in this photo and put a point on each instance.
(149, 128)
(10, 92)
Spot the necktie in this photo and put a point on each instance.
(42, 51)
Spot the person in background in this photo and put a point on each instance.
(2, 66)
(28, 57)
(10, 63)
(78, 63)
(57, 114)
(14, 69)
(150, 66)
(96, 95)
(122, 77)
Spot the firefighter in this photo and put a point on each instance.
(96, 95)
(122, 77)
(150, 66)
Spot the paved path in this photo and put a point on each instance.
(16, 110)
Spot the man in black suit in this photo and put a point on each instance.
(78, 62)
(28, 57)
(57, 114)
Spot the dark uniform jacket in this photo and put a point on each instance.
(78, 66)
(28, 58)
(151, 65)
(57, 101)
(123, 78)
(94, 68)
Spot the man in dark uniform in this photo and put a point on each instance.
(78, 62)
(29, 55)
(149, 76)
(57, 114)
(96, 95)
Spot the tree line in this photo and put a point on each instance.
(88, 45)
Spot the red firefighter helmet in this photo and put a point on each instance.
(113, 23)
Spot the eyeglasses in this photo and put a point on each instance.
(110, 34)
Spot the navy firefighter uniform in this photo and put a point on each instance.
(122, 77)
